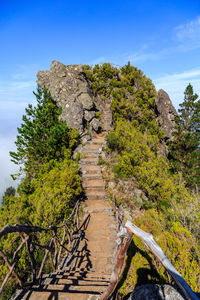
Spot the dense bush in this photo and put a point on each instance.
(133, 94)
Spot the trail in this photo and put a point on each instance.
(89, 272)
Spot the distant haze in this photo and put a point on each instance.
(6, 166)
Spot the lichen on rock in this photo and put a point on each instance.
(69, 88)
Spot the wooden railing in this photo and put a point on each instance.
(62, 243)
(125, 235)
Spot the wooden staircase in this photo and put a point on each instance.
(89, 273)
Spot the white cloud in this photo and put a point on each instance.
(190, 30)
(139, 57)
(188, 35)
(16, 90)
(175, 84)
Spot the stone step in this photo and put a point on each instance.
(95, 172)
(90, 169)
(95, 194)
(96, 142)
(91, 161)
(91, 152)
(90, 145)
(91, 177)
(90, 155)
(97, 188)
(97, 210)
(93, 183)
(96, 205)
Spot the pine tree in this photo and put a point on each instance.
(185, 148)
(43, 136)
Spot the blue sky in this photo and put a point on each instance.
(162, 38)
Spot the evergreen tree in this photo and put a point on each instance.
(10, 191)
(43, 135)
(185, 148)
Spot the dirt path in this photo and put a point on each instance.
(90, 271)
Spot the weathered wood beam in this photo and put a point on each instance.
(118, 267)
(44, 259)
(12, 265)
(62, 243)
(20, 228)
(157, 251)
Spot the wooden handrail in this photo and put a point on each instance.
(125, 234)
(157, 251)
(72, 231)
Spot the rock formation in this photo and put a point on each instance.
(166, 113)
(69, 88)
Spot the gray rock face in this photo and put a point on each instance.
(155, 292)
(95, 124)
(89, 115)
(70, 90)
(166, 113)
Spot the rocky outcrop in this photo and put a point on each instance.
(155, 292)
(69, 88)
(166, 113)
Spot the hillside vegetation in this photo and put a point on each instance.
(155, 191)
(51, 182)
(165, 208)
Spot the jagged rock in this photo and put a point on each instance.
(166, 113)
(95, 124)
(85, 99)
(155, 292)
(69, 88)
(78, 149)
(89, 115)
(86, 138)
(111, 184)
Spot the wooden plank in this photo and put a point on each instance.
(157, 251)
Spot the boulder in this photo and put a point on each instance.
(89, 115)
(86, 100)
(155, 292)
(95, 124)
